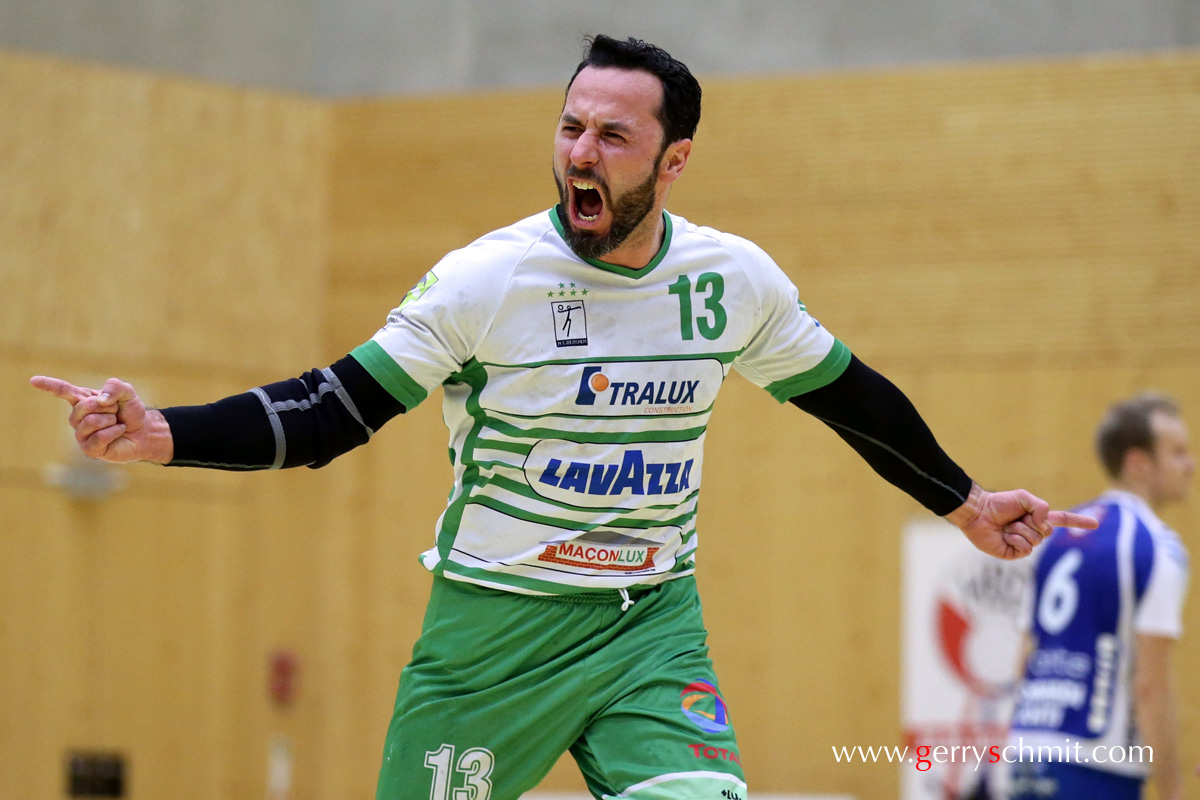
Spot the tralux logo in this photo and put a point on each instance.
(594, 383)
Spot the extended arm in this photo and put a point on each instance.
(1154, 706)
(305, 421)
(875, 418)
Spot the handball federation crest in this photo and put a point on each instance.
(570, 323)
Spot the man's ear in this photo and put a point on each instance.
(674, 160)
(1138, 462)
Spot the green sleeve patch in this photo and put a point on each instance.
(390, 375)
(423, 286)
(823, 374)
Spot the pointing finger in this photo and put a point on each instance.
(1069, 519)
(60, 388)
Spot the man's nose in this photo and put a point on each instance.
(585, 153)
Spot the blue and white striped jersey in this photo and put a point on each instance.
(1094, 591)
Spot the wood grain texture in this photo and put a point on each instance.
(137, 208)
(171, 233)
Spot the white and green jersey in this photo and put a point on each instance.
(577, 395)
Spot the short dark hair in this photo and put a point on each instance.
(1126, 427)
(680, 109)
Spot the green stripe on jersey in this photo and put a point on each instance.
(724, 358)
(593, 417)
(595, 437)
(535, 585)
(823, 374)
(573, 525)
(500, 444)
(391, 376)
(474, 376)
(524, 490)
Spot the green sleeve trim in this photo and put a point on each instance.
(390, 375)
(823, 374)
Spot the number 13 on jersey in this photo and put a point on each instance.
(711, 286)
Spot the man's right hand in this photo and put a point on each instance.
(111, 423)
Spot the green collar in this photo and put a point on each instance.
(668, 229)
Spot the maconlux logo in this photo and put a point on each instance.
(607, 550)
(655, 396)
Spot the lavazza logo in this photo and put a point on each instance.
(652, 397)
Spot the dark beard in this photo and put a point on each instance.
(628, 211)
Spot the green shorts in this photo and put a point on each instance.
(501, 684)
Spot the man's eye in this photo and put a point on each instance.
(614, 137)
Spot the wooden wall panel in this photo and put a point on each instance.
(171, 233)
(1025, 212)
(146, 211)
(143, 623)
(416, 179)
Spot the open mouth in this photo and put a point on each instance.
(586, 201)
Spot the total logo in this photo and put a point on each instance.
(703, 705)
(717, 754)
(655, 396)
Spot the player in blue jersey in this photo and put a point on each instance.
(1096, 703)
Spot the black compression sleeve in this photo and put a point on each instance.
(233, 433)
(875, 418)
(373, 401)
(306, 421)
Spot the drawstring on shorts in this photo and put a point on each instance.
(626, 600)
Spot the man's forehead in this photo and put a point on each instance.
(1167, 426)
(615, 94)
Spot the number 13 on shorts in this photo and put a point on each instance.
(475, 765)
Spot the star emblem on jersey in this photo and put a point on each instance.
(569, 315)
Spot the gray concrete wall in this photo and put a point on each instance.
(393, 47)
(268, 43)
